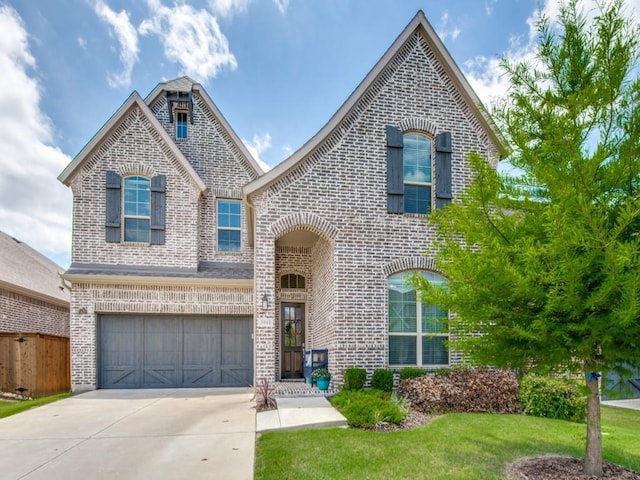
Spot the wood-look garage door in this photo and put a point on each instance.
(138, 351)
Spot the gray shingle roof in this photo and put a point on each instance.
(213, 270)
(21, 266)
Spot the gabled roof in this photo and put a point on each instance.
(421, 23)
(134, 100)
(24, 270)
(186, 84)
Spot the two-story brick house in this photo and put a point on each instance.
(192, 267)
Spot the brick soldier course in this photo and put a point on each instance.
(323, 214)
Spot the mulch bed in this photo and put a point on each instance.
(552, 467)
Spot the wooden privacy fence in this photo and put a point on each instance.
(34, 364)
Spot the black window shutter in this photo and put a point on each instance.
(395, 176)
(113, 207)
(443, 169)
(158, 207)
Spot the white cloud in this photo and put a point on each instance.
(282, 5)
(257, 146)
(287, 150)
(125, 33)
(444, 32)
(82, 43)
(34, 206)
(228, 8)
(191, 37)
(485, 74)
(489, 5)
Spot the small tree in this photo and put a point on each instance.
(546, 266)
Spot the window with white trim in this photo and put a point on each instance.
(229, 225)
(418, 333)
(137, 209)
(182, 118)
(416, 161)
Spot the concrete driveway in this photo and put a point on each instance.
(133, 434)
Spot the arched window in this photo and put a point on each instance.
(416, 161)
(417, 330)
(292, 280)
(137, 209)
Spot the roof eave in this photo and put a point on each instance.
(33, 294)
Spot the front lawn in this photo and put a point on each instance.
(11, 407)
(454, 446)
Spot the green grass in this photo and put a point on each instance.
(11, 407)
(454, 446)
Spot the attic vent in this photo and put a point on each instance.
(181, 101)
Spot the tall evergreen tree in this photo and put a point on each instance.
(544, 269)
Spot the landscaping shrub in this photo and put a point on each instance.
(553, 398)
(464, 390)
(408, 373)
(382, 379)
(354, 378)
(368, 408)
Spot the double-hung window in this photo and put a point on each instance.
(417, 331)
(229, 225)
(416, 156)
(137, 209)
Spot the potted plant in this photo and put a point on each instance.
(322, 377)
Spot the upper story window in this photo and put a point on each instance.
(417, 331)
(137, 209)
(414, 178)
(229, 225)
(416, 163)
(292, 280)
(181, 124)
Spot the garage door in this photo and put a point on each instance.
(162, 352)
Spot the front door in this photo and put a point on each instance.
(292, 339)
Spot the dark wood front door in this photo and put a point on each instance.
(292, 339)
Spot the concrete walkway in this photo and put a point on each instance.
(133, 434)
(300, 412)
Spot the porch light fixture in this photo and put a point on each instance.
(265, 302)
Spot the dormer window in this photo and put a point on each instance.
(181, 124)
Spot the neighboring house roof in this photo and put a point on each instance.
(24, 270)
(217, 273)
(187, 84)
(452, 69)
(134, 100)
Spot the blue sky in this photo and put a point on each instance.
(277, 69)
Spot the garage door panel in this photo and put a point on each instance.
(138, 351)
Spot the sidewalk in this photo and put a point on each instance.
(633, 403)
(299, 412)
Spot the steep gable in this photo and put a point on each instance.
(134, 105)
(420, 36)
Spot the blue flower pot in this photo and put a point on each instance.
(323, 383)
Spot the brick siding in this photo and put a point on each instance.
(23, 314)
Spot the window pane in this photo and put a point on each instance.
(181, 125)
(417, 158)
(402, 311)
(136, 230)
(229, 214)
(229, 240)
(417, 199)
(434, 351)
(433, 318)
(137, 196)
(402, 350)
